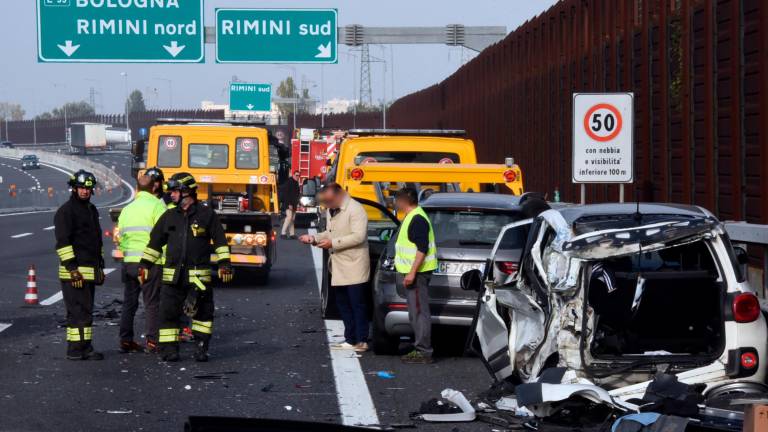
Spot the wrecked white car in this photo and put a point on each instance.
(617, 293)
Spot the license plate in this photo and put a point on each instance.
(457, 268)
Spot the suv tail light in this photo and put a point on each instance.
(507, 267)
(746, 308)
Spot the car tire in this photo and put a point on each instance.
(383, 343)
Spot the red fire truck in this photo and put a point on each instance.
(309, 156)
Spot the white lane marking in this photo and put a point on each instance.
(4, 326)
(355, 401)
(59, 296)
(49, 228)
(52, 299)
(21, 235)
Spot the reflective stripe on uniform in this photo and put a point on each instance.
(168, 335)
(66, 253)
(73, 334)
(135, 229)
(202, 274)
(87, 333)
(168, 274)
(202, 326)
(89, 273)
(197, 282)
(151, 255)
(223, 253)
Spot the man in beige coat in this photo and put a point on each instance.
(346, 239)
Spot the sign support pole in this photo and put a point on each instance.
(583, 193)
(621, 192)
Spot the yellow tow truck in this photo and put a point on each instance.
(231, 162)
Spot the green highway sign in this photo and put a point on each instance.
(250, 97)
(276, 36)
(121, 31)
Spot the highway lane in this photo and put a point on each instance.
(31, 185)
(272, 337)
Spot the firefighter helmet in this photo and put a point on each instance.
(182, 181)
(156, 174)
(82, 179)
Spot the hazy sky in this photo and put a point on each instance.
(40, 87)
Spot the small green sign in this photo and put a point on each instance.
(120, 31)
(250, 97)
(276, 36)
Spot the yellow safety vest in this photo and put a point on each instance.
(405, 250)
(136, 222)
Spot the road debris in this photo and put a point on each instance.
(460, 410)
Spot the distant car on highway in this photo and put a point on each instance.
(466, 226)
(30, 162)
(7, 144)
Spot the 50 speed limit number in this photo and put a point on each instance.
(602, 138)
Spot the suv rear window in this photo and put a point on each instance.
(247, 153)
(169, 151)
(473, 229)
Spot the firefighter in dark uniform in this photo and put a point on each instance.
(188, 230)
(78, 244)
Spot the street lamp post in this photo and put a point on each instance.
(170, 91)
(295, 94)
(322, 96)
(125, 88)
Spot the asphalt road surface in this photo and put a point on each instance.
(270, 355)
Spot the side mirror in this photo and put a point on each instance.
(472, 281)
(741, 255)
(386, 234)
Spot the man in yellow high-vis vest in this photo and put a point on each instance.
(135, 224)
(415, 260)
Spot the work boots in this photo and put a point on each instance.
(202, 351)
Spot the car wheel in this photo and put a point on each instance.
(383, 342)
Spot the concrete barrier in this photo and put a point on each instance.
(107, 178)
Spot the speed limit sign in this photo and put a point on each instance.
(603, 149)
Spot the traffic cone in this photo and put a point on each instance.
(30, 298)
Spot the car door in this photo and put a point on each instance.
(502, 310)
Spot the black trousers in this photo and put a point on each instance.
(172, 309)
(150, 293)
(79, 305)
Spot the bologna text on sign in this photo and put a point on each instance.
(154, 31)
(603, 125)
(276, 36)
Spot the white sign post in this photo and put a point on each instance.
(603, 147)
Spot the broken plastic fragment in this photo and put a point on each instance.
(385, 374)
(458, 399)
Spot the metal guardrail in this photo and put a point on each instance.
(751, 234)
(108, 178)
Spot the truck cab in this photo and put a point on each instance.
(231, 162)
